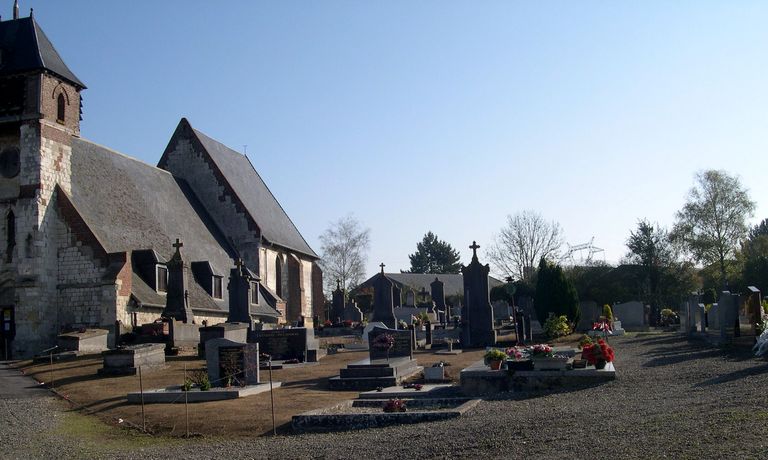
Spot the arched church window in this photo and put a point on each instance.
(279, 277)
(61, 105)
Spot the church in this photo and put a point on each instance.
(87, 232)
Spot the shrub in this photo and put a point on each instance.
(557, 326)
(555, 293)
(585, 340)
(608, 312)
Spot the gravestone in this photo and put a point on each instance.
(397, 296)
(728, 316)
(437, 291)
(237, 332)
(428, 334)
(631, 314)
(225, 358)
(754, 308)
(701, 311)
(352, 313)
(337, 303)
(407, 313)
(284, 344)
(713, 317)
(239, 287)
(690, 314)
(402, 348)
(383, 309)
(369, 327)
(177, 295)
(590, 312)
(410, 298)
(477, 318)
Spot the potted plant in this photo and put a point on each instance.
(494, 357)
(598, 354)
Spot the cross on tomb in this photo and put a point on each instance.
(338, 284)
(474, 249)
(178, 244)
(382, 267)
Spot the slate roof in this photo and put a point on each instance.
(25, 47)
(453, 284)
(130, 205)
(276, 227)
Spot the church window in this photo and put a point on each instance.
(279, 277)
(162, 278)
(217, 287)
(254, 293)
(61, 105)
(10, 228)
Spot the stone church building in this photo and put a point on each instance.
(86, 232)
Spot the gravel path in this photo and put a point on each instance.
(672, 399)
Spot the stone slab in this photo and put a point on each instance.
(176, 395)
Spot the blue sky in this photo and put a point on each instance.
(437, 115)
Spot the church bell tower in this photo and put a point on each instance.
(40, 112)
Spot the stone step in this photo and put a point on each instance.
(361, 383)
(360, 372)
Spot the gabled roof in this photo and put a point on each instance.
(24, 47)
(130, 205)
(262, 206)
(453, 284)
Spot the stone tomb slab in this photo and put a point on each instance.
(126, 360)
(87, 341)
(176, 395)
(237, 332)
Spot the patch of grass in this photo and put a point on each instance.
(744, 415)
(96, 435)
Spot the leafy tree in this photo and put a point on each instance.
(754, 257)
(713, 219)
(525, 239)
(344, 252)
(434, 256)
(555, 293)
(650, 247)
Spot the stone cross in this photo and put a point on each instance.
(178, 244)
(382, 267)
(474, 249)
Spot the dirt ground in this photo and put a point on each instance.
(303, 388)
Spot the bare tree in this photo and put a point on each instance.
(526, 238)
(344, 252)
(714, 219)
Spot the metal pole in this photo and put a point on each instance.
(186, 401)
(141, 391)
(6, 348)
(51, 368)
(272, 398)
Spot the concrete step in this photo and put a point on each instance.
(361, 384)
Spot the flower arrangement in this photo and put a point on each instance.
(415, 386)
(602, 325)
(494, 354)
(599, 351)
(541, 350)
(384, 342)
(402, 324)
(761, 347)
(395, 405)
(518, 353)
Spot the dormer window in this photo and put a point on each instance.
(218, 282)
(61, 105)
(162, 278)
(254, 293)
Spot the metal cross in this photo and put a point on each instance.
(382, 267)
(178, 244)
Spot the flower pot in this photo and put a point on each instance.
(600, 364)
(495, 364)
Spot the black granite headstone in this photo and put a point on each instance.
(383, 309)
(177, 295)
(239, 287)
(402, 347)
(337, 303)
(477, 320)
(397, 294)
(284, 344)
(437, 289)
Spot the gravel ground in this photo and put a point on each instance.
(672, 399)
